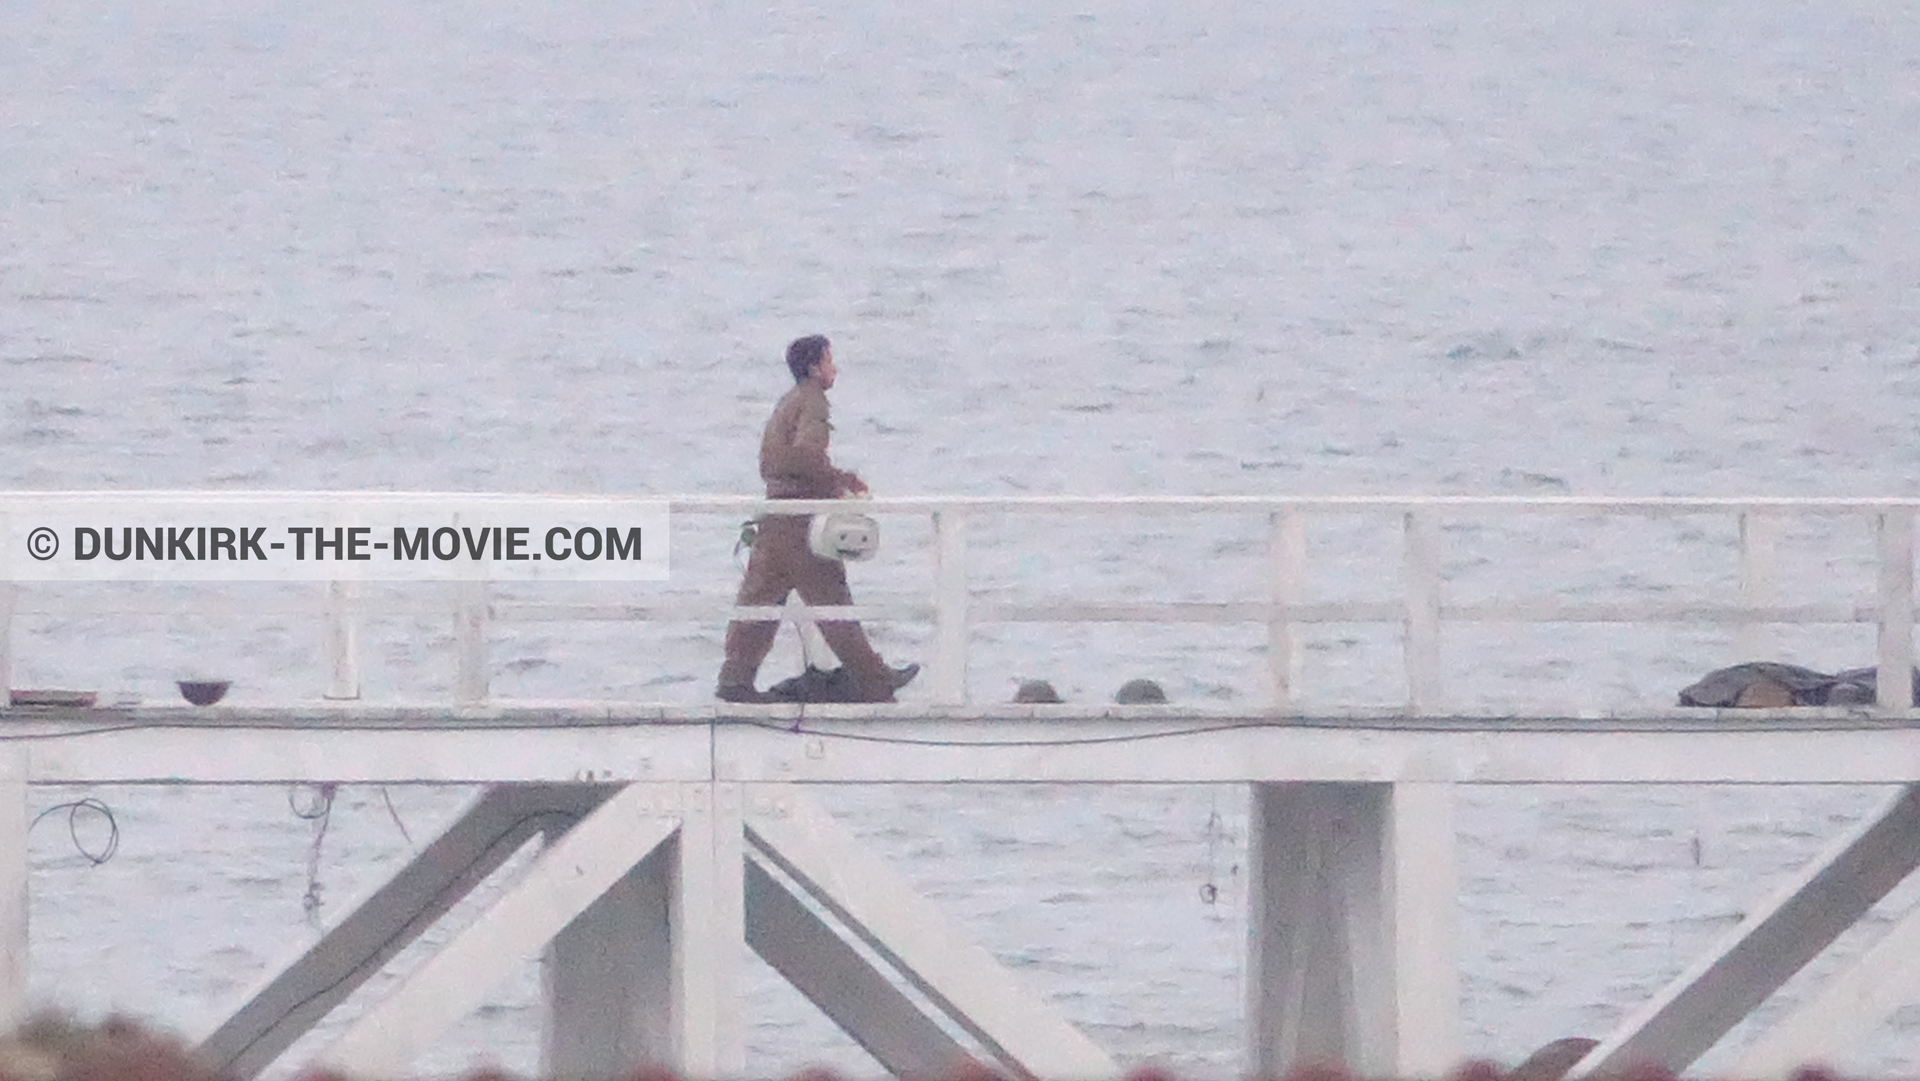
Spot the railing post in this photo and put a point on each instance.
(343, 640)
(9, 594)
(1422, 577)
(1754, 640)
(1895, 677)
(950, 619)
(15, 879)
(472, 618)
(1286, 563)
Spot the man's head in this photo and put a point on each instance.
(811, 357)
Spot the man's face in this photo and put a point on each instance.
(824, 372)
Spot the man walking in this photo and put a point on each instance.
(795, 465)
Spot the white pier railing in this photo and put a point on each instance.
(954, 604)
(670, 835)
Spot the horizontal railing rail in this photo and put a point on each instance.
(953, 608)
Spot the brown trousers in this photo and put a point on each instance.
(781, 562)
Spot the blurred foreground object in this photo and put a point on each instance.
(53, 1047)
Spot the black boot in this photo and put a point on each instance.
(742, 694)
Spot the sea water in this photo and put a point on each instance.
(1485, 247)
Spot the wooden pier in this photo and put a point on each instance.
(669, 835)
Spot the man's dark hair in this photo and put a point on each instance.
(804, 355)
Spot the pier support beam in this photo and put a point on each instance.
(492, 828)
(609, 995)
(1351, 929)
(921, 947)
(844, 984)
(563, 882)
(707, 925)
(644, 902)
(1849, 1006)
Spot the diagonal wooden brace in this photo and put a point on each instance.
(289, 1003)
(1775, 941)
(854, 993)
(563, 882)
(979, 995)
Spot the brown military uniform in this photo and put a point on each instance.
(794, 464)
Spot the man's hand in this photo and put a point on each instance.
(855, 485)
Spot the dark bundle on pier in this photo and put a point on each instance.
(1766, 685)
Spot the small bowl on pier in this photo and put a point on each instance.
(204, 692)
